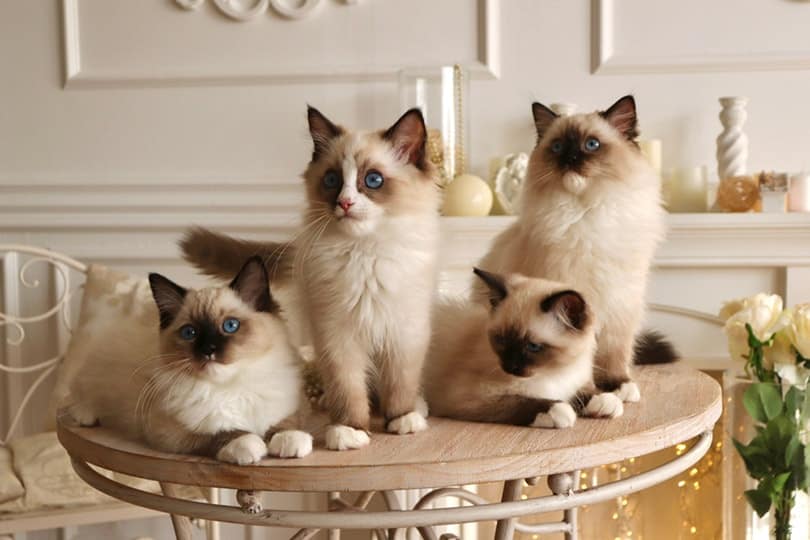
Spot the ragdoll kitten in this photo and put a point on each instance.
(219, 381)
(528, 360)
(591, 216)
(365, 265)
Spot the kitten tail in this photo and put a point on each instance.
(653, 348)
(222, 256)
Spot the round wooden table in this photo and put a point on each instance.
(678, 404)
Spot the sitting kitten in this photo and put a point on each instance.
(219, 381)
(591, 216)
(527, 361)
(365, 265)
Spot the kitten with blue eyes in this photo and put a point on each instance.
(221, 379)
(591, 216)
(365, 266)
(527, 360)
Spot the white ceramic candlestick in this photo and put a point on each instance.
(732, 143)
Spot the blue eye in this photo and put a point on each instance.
(331, 180)
(592, 144)
(230, 325)
(533, 347)
(188, 332)
(374, 180)
(556, 147)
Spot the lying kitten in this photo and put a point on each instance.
(365, 265)
(591, 216)
(526, 361)
(219, 381)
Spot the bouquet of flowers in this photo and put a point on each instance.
(774, 344)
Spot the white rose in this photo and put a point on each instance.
(798, 330)
(763, 312)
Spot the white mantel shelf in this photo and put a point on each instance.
(702, 240)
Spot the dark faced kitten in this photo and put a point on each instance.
(218, 380)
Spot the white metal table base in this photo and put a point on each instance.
(392, 523)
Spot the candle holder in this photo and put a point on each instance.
(441, 93)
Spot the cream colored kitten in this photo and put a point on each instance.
(220, 379)
(528, 360)
(591, 216)
(365, 265)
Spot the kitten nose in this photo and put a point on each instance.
(345, 204)
(209, 350)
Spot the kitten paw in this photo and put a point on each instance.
(560, 415)
(243, 450)
(290, 444)
(605, 405)
(249, 501)
(83, 414)
(407, 423)
(422, 407)
(629, 392)
(340, 437)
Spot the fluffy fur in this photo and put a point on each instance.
(591, 216)
(365, 265)
(528, 360)
(219, 394)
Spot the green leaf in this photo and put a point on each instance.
(763, 401)
(792, 450)
(794, 401)
(777, 485)
(759, 501)
(755, 457)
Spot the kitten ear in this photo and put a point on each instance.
(496, 284)
(169, 297)
(322, 131)
(543, 117)
(408, 136)
(622, 116)
(252, 285)
(569, 307)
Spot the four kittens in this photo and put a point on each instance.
(526, 350)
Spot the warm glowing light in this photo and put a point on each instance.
(681, 446)
(583, 475)
(681, 483)
(696, 485)
(584, 486)
(632, 460)
(693, 530)
(624, 502)
(693, 472)
(614, 516)
(524, 497)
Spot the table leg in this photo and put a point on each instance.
(334, 534)
(506, 527)
(563, 484)
(182, 524)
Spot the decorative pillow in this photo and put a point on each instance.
(110, 298)
(45, 470)
(10, 486)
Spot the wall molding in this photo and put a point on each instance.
(486, 66)
(244, 13)
(606, 61)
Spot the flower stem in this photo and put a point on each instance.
(781, 525)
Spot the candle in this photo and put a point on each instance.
(799, 193)
(687, 190)
(652, 151)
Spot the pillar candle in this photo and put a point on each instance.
(799, 193)
(652, 151)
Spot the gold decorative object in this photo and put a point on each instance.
(435, 152)
(738, 194)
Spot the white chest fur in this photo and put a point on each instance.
(259, 396)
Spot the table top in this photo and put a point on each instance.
(678, 403)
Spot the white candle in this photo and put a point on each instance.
(799, 193)
(687, 190)
(652, 151)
